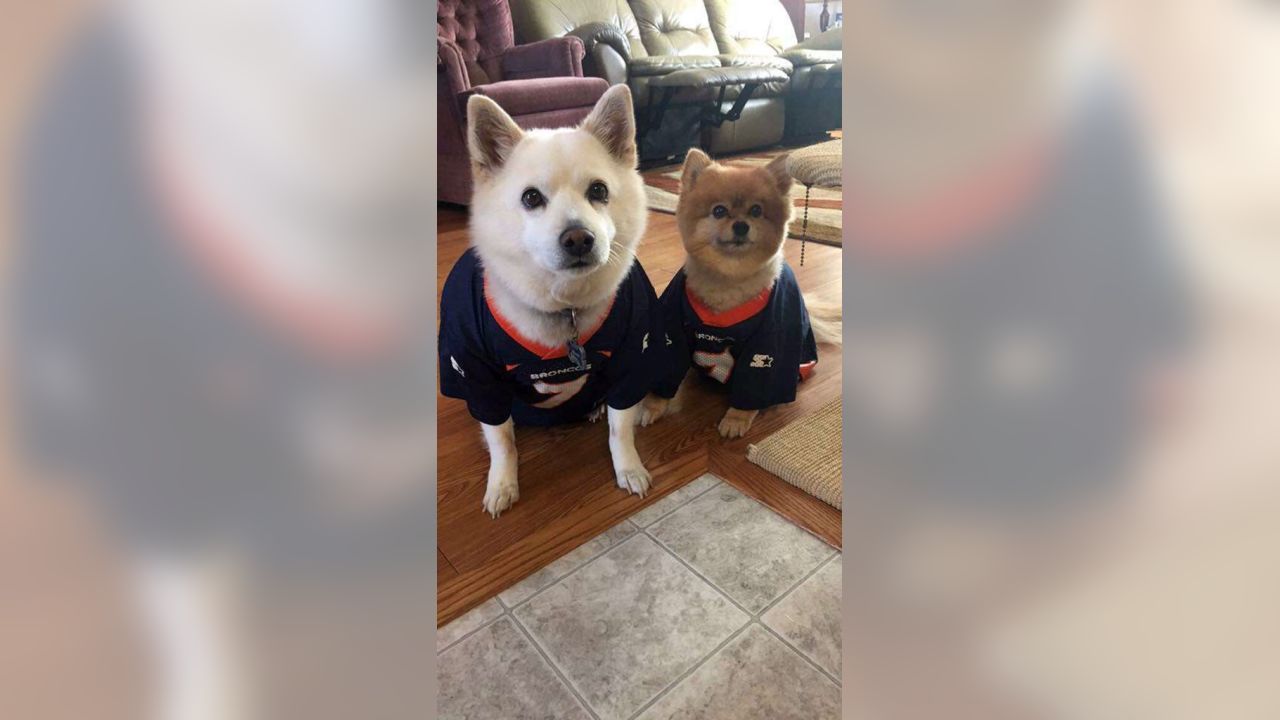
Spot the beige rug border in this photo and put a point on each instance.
(801, 454)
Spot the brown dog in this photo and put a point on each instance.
(735, 312)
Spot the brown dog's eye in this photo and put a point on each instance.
(756, 211)
(532, 199)
(598, 192)
(719, 211)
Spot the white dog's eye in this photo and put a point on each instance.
(598, 192)
(532, 199)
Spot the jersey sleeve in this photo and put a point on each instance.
(767, 369)
(678, 356)
(466, 371)
(638, 364)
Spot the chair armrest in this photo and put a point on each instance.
(595, 33)
(451, 66)
(553, 57)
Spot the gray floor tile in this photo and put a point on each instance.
(809, 618)
(522, 590)
(451, 633)
(754, 677)
(497, 674)
(628, 624)
(743, 547)
(649, 515)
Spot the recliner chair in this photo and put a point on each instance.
(540, 84)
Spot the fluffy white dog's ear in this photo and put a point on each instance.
(695, 161)
(491, 135)
(613, 123)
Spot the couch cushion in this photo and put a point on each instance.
(769, 61)
(539, 19)
(717, 77)
(540, 95)
(663, 64)
(674, 27)
(482, 31)
(751, 27)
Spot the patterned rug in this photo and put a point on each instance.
(662, 186)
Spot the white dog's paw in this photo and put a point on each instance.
(501, 491)
(634, 480)
(735, 423)
(652, 408)
(595, 415)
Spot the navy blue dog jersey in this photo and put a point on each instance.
(760, 350)
(486, 362)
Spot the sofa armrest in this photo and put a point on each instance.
(451, 66)
(802, 57)
(597, 32)
(553, 57)
(605, 62)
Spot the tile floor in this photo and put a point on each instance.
(704, 605)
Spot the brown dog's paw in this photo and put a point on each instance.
(652, 408)
(736, 423)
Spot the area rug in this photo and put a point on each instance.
(806, 453)
(662, 186)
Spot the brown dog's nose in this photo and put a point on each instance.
(576, 241)
(741, 228)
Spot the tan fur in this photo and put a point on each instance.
(724, 275)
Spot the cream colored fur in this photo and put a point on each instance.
(520, 251)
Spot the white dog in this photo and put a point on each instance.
(548, 317)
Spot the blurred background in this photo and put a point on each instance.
(219, 440)
(1062, 326)
(1112, 553)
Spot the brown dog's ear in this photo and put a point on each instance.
(491, 135)
(695, 161)
(613, 122)
(777, 171)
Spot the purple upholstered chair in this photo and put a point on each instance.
(539, 84)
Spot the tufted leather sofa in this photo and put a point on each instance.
(540, 84)
(636, 41)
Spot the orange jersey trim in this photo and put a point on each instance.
(545, 352)
(733, 315)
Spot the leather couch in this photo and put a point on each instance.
(636, 41)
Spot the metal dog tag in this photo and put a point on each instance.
(577, 354)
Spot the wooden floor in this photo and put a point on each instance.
(567, 494)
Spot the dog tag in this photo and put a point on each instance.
(577, 354)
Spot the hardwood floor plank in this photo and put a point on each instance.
(445, 571)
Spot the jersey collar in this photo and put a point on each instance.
(545, 352)
(733, 315)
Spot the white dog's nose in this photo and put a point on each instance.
(577, 241)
